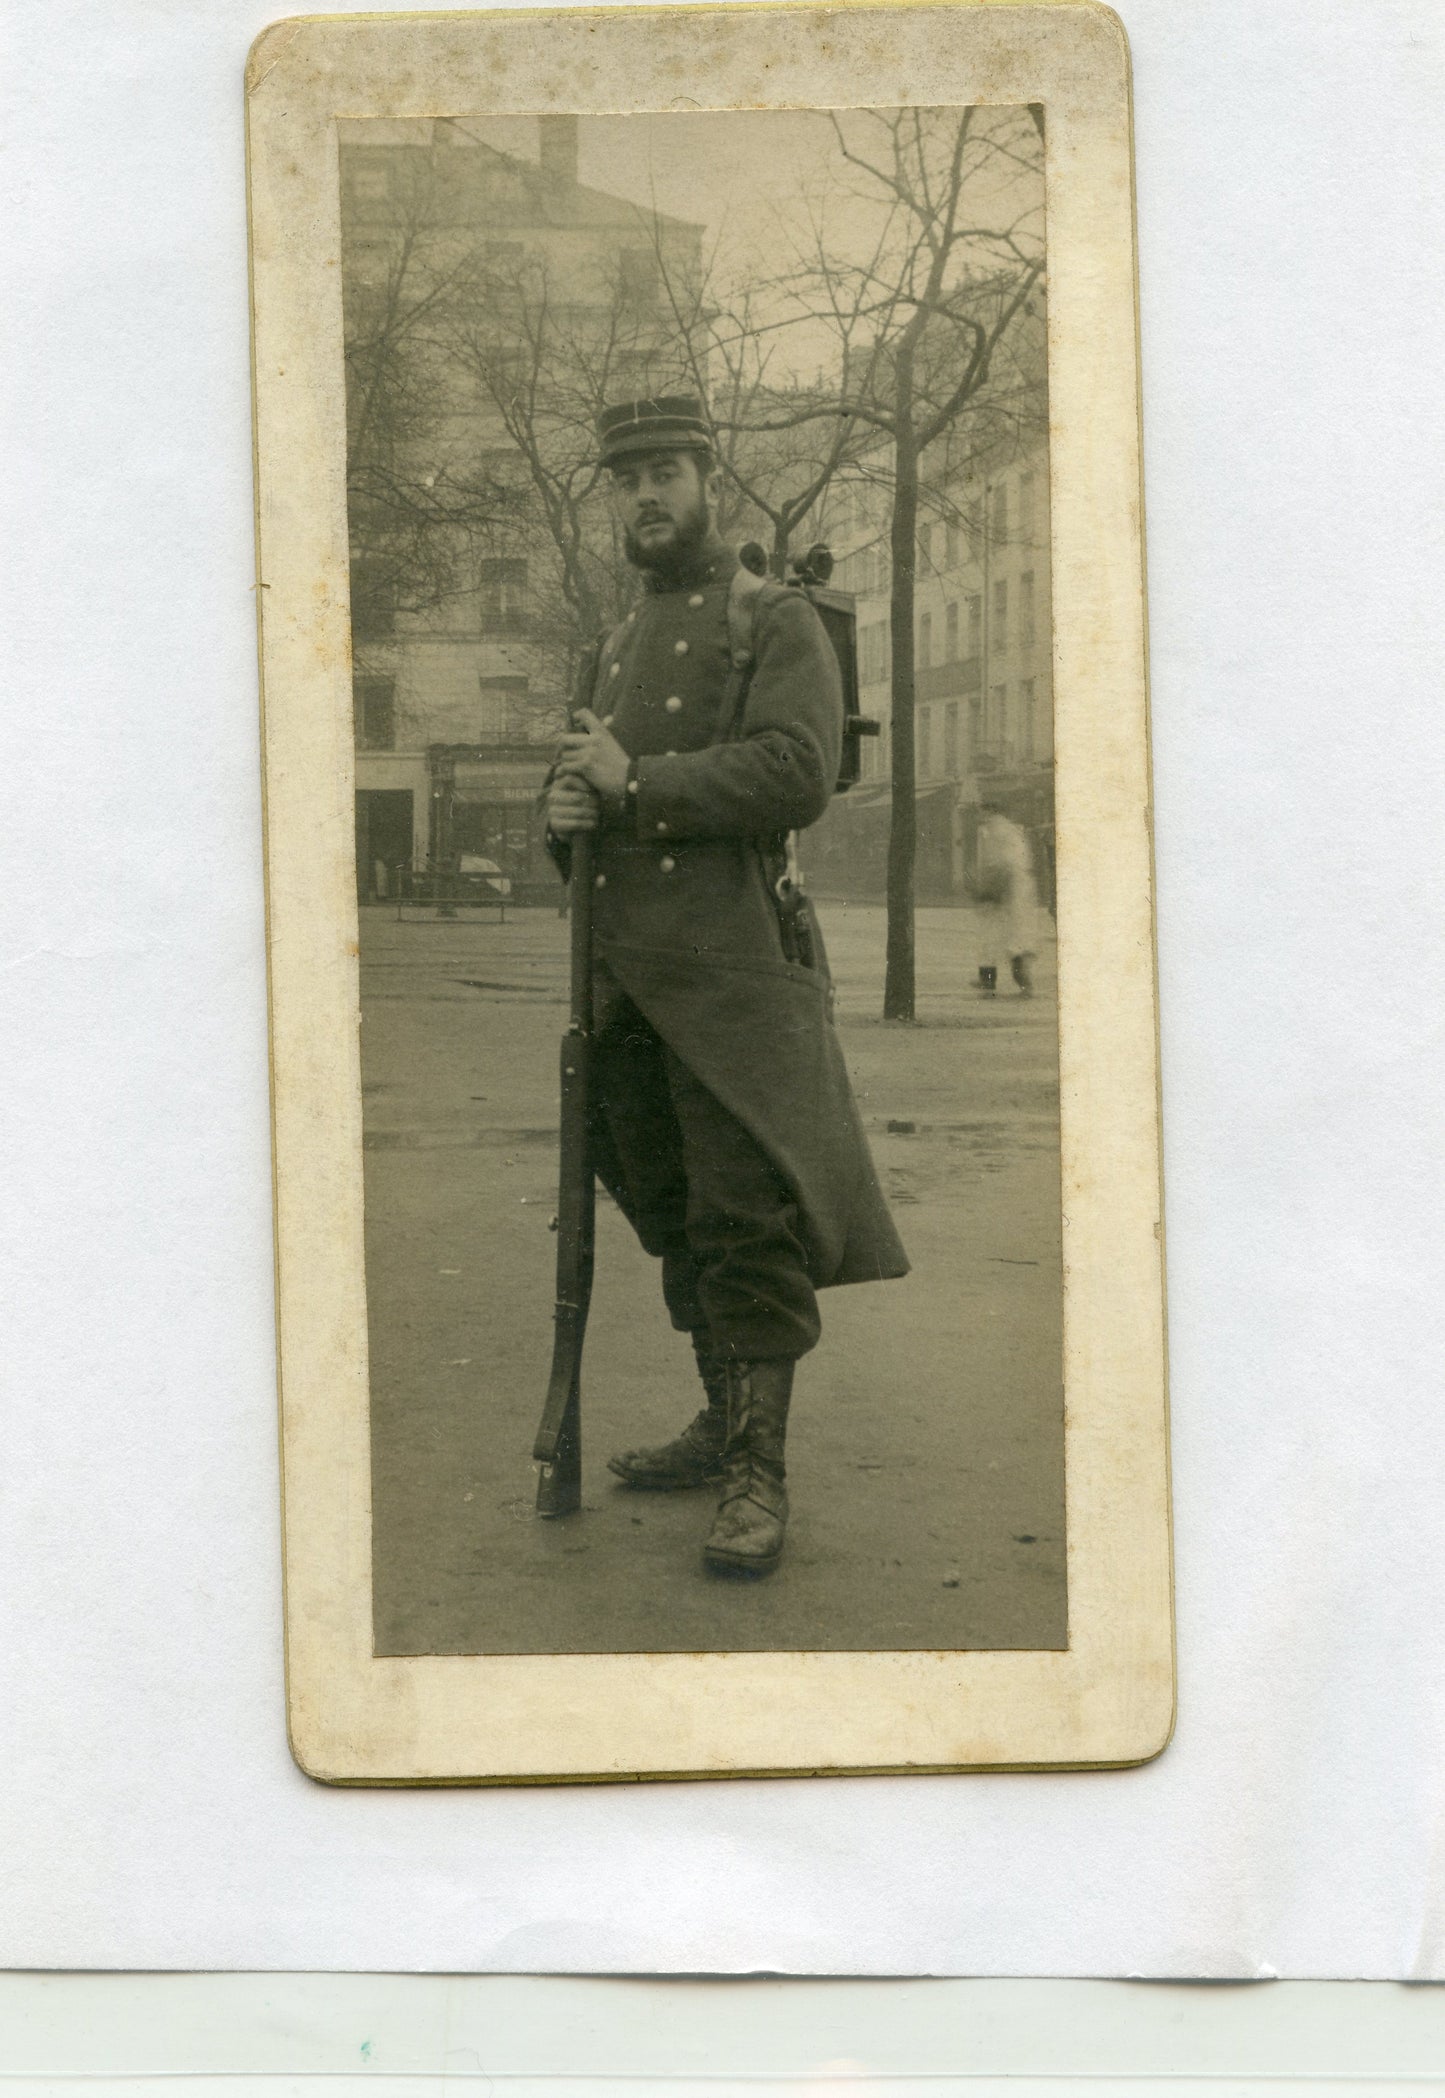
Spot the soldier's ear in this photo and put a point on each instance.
(712, 486)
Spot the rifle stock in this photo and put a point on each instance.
(558, 1448)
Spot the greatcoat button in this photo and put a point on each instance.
(679, 648)
(661, 829)
(673, 705)
(695, 600)
(740, 660)
(599, 881)
(608, 719)
(667, 863)
(615, 671)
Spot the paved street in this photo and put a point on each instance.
(926, 1456)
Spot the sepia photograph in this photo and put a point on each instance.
(703, 669)
(758, 400)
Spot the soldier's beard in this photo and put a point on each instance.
(678, 553)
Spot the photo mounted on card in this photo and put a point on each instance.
(710, 895)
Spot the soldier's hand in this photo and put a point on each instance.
(571, 806)
(594, 754)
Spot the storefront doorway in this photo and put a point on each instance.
(383, 840)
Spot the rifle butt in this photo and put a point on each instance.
(558, 1448)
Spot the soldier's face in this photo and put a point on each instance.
(661, 501)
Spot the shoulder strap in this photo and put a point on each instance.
(745, 595)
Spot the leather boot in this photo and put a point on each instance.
(988, 979)
(752, 1516)
(694, 1458)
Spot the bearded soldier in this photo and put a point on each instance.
(723, 1122)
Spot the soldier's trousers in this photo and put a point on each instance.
(699, 1192)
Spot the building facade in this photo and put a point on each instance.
(466, 269)
(983, 726)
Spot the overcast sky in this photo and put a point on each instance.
(745, 177)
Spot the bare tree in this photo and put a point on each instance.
(416, 512)
(928, 290)
(545, 358)
(778, 441)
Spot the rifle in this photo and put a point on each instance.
(558, 1448)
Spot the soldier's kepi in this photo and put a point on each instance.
(722, 1120)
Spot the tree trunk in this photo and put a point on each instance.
(898, 980)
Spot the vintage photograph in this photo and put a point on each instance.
(709, 892)
(698, 500)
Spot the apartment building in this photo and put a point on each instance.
(983, 724)
(458, 690)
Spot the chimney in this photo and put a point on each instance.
(558, 136)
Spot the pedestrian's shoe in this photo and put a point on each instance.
(1022, 969)
(988, 979)
(752, 1516)
(694, 1458)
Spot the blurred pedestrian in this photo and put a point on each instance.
(1007, 888)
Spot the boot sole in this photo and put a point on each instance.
(726, 1563)
(646, 1483)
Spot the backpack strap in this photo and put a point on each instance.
(745, 594)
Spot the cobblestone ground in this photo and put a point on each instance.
(926, 1456)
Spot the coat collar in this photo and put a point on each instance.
(715, 563)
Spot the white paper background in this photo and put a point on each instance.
(1291, 173)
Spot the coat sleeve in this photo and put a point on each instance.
(780, 772)
(559, 850)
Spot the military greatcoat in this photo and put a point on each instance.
(684, 918)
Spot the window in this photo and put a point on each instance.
(373, 599)
(925, 640)
(925, 546)
(1026, 508)
(638, 280)
(998, 523)
(873, 653)
(950, 544)
(1028, 726)
(371, 185)
(504, 708)
(997, 724)
(975, 626)
(950, 742)
(1026, 609)
(373, 701)
(950, 634)
(998, 639)
(504, 595)
(925, 742)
